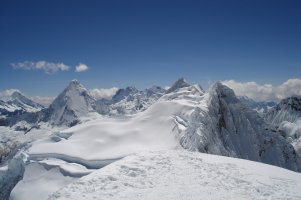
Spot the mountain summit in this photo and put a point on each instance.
(72, 103)
(180, 83)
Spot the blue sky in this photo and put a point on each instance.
(148, 42)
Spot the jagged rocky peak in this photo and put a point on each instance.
(75, 84)
(224, 92)
(73, 103)
(180, 83)
(293, 102)
(289, 109)
(123, 93)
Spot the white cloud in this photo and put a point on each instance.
(264, 92)
(103, 93)
(81, 67)
(6, 94)
(47, 67)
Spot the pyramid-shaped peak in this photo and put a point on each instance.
(75, 84)
(180, 83)
(16, 94)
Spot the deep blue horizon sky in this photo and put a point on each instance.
(147, 42)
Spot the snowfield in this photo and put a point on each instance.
(71, 151)
(180, 174)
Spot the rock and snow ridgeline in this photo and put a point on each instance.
(183, 117)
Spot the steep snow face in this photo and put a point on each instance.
(73, 103)
(228, 127)
(185, 175)
(288, 109)
(260, 106)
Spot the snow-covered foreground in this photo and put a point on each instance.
(99, 142)
(179, 174)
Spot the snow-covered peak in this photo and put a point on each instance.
(223, 92)
(128, 92)
(25, 102)
(289, 109)
(293, 102)
(75, 85)
(73, 103)
(180, 83)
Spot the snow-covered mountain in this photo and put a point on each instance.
(225, 126)
(260, 106)
(129, 101)
(71, 104)
(289, 109)
(183, 117)
(17, 104)
(286, 119)
(215, 122)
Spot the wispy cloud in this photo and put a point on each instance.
(81, 67)
(263, 92)
(101, 93)
(47, 67)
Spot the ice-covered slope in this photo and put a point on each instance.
(185, 175)
(101, 141)
(215, 122)
(228, 127)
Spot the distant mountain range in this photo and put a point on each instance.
(183, 117)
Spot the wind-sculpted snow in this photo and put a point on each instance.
(185, 175)
(11, 174)
(215, 122)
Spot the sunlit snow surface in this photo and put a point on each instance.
(185, 175)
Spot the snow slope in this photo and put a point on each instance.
(214, 122)
(185, 175)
